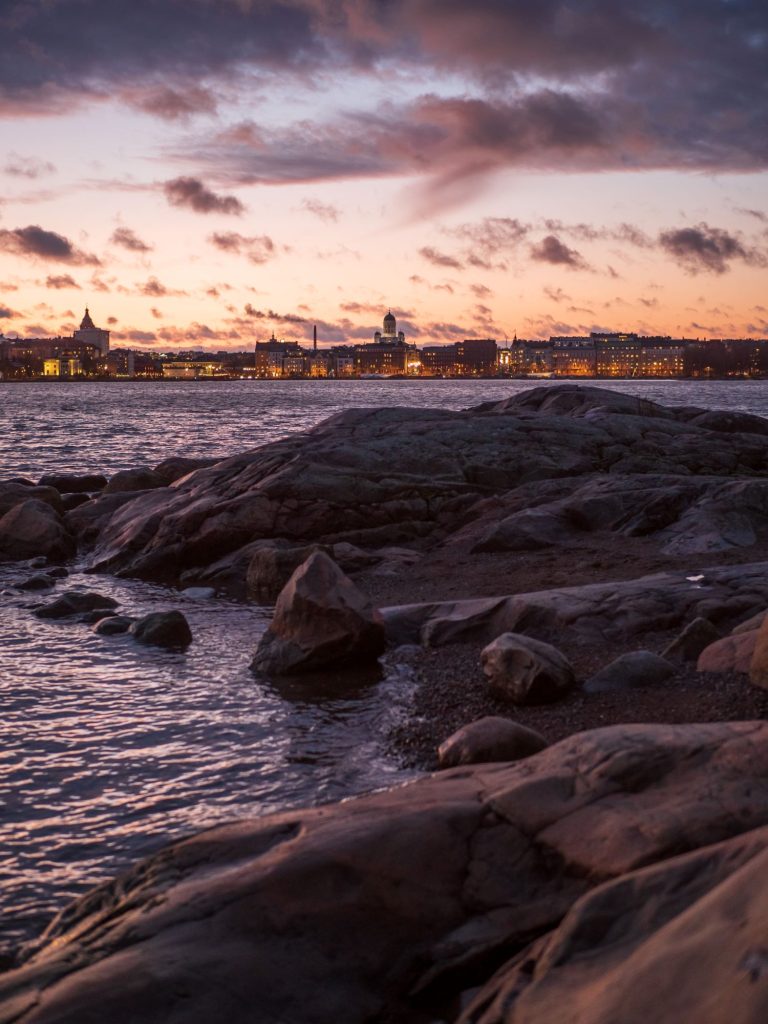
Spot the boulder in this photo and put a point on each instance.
(13, 493)
(95, 616)
(58, 572)
(73, 501)
(321, 619)
(163, 629)
(731, 654)
(32, 529)
(179, 466)
(113, 625)
(271, 567)
(489, 739)
(691, 642)
(631, 671)
(397, 905)
(73, 483)
(750, 624)
(522, 670)
(74, 602)
(134, 480)
(42, 581)
(758, 665)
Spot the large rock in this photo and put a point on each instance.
(691, 642)
(271, 566)
(489, 739)
(178, 466)
(134, 480)
(163, 629)
(73, 483)
(13, 493)
(631, 671)
(390, 906)
(33, 528)
(75, 602)
(526, 671)
(731, 654)
(321, 619)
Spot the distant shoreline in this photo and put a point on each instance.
(363, 380)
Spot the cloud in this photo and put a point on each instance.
(192, 193)
(27, 166)
(257, 248)
(325, 211)
(7, 314)
(61, 281)
(128, 239)
(172, 104)
(270, 314)
(38, 243)
(705, 249)
(551, 250)
(440, 259)
(493, 235)
(155, 289)
(556, 294)
(480, 291)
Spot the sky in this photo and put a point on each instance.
(201, 173)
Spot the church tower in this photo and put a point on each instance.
(89, 334)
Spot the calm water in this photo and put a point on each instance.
(110, 749)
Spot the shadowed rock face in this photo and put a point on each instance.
(379, 477)
(390, 906)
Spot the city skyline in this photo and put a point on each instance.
(486, 172)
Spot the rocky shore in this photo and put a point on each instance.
(578, 562)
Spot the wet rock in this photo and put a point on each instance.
(321, 619)
(73, 483)
(40, 582)
(199, 593)
(487, 740)
(95, 616)
(691, 642)
(630, 671)
(271, 567)
(58, 572)
(128, 480)
(113, 625)
(178, 466)
(13, 494)
(73, 501)
(163, 629)
(34, 528)
(632, 853)
(731, 654)
(522, 670)
(74, 602)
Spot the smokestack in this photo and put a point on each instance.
(314, 338)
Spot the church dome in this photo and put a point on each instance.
(389, 323)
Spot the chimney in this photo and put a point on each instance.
(314, 338)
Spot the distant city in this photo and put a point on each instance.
(86, 355)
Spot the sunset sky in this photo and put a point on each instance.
(202, 172)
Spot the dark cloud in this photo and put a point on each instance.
(192, 193)
(27, 166)
(556, 294)
(7, 314)
(270, 314)
(61, 281)
(439, 259)
(257, 248)
(172, 104)
(128, 239)
(325, 211)
(757, 214)
(551, 250)
(704, 249)
(155, 289)
(36, 242)
(480, 291)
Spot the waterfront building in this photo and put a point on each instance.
(68, 366)
(473, 357)
(574, 357)
(388, 354)
(91, 336)
(193, 369)
(271, 357)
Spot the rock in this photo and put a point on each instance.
(631, 671)
(752, 623)
(14, 493)
(526, 671)
(73, 501)
(758, 665)
(271, 567)
(73, 483)
(134, 480)
(74, 602)
(58, 572)
(528, 530)
(113, 625)
(321, 619)
(198, 593)
(731, 654)
(34, 528)
(39, 582)
(631, 857)
(697, 635)
(489, 739)
(178, 466)
(95, 616)
(163, 629)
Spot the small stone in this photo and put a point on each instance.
(113, 625)
(487, 740)
(39, 582)
(74, 602)
(163, 629)
(199, 593)
(522, 670)
(630, 672)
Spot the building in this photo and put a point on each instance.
(474, 357)
(574, 357)
(68, 366)
(89, 334)
(388, 355)
(271, 357)
(193, 369)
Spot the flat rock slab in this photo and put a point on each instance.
(387, 907)
(595, 611)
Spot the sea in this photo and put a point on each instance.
(110, 750)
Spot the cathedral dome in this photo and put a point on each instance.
(389, 323)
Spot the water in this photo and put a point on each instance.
(110, 749)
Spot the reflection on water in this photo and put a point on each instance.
(111, 748)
